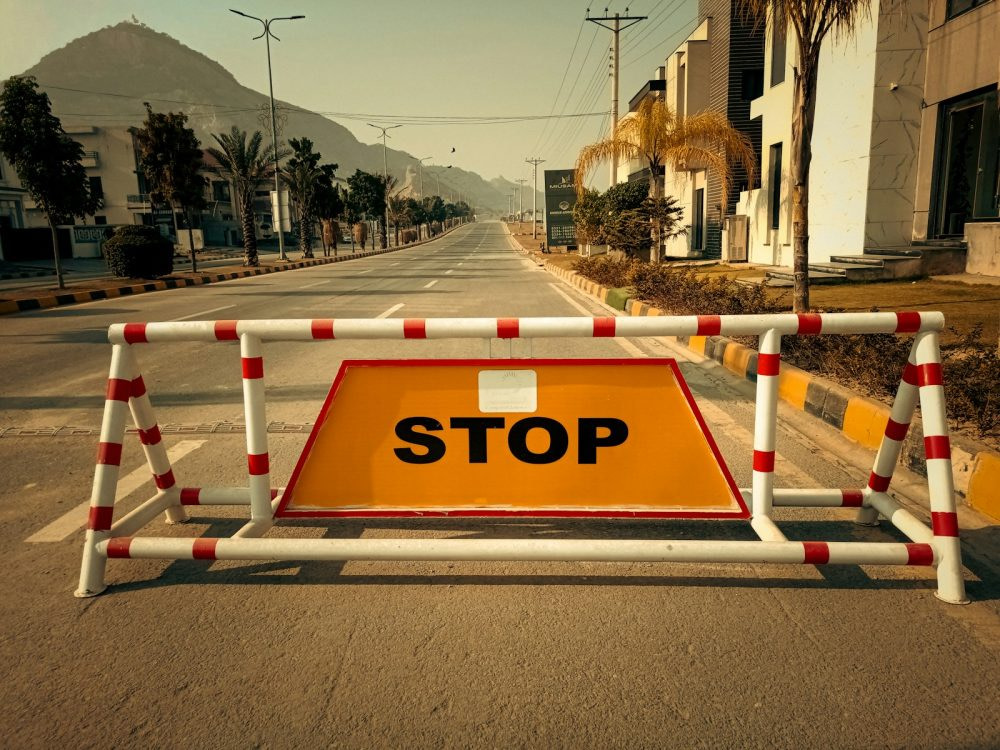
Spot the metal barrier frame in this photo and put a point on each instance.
(937, 546)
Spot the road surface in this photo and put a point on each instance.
(364, 654)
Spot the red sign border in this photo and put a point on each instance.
(282, 511)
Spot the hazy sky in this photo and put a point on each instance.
(403, 58)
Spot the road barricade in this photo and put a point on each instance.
(589, 439)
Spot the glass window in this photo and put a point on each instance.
(752, 84)
(957, 7)
(774, 189)
(779, 44)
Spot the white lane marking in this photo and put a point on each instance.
(459, 264)
(429, 284)
(367, 270)
(76, 518)
(394, 264)
(315, 283)
(389, 312)
(449, 271)
(203, 312)
(623, 343)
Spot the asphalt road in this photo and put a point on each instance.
(365, 654)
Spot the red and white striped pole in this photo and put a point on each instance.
(765, 420)
(903, 406)
(258, 462)
(940, 483)
(109, 457)
(152, 440)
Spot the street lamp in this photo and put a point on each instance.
(274, 126)
(385, 173)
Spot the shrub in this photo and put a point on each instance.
(609, 270)
(139, 252)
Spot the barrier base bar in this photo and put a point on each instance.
(592, 550)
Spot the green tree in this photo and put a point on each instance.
(415, 212)
(657, 136)
(589, 215)
(367, 196)
(171, 160)
(303, 176)
(328, 204)
(247, 166)
(46, 160)
(812, 22)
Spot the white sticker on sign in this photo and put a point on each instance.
(508, 391)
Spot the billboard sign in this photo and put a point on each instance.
(560, 198)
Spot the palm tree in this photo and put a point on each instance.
(246, 165)
(812, 21)
(303, 175)
(659, 137)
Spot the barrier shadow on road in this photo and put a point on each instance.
(983, 585)
(79, 312)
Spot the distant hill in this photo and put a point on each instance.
(141, 64)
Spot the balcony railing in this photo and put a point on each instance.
(137, 200)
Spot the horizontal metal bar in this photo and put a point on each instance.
(304, 329)
(684, 551)
(804, 498)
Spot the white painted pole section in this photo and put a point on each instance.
(765, 419)
(940, 483)
(258, 461)
(685, 551)
(220, 495)
(152, 442)
(901, 518)
(811, 498)
(130, 523)
(102, 496)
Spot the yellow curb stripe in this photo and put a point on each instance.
(984, 485)
(81, 296)
(697, 344)
(736, 358)
(112, 293)
(603, 293)
(865, 421)
(792, 385)
(8, 307)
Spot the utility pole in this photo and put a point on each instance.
(615, 28)
(385, 174)
(510, 204)
(520, 195)
(534, 162)
(275, 220)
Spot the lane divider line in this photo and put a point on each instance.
(429, 284)
(389, 312)
(199, 314)
(71, 521)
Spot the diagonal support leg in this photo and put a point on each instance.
(152, 442)
(109, 453)
(903, 407)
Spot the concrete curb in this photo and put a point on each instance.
(73, 298)
(976, 470)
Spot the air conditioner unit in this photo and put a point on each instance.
(738, 233)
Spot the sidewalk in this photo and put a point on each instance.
(87, 279)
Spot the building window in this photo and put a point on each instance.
(96, 187)
(779, 46)
(698, 220)
(752, 84)
(958, 7)
(220, 191)
(100, 220)
(10, 214)
(774, 189)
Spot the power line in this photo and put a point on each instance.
(555, 101)
(576, 80)
(660, 44)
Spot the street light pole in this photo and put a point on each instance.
(385, 173)
(534, 195)
(420, 170)
(274, 125)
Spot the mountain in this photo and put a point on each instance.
(132, 63)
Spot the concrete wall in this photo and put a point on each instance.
(842, 142)
(900, 66)
(984, 248)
